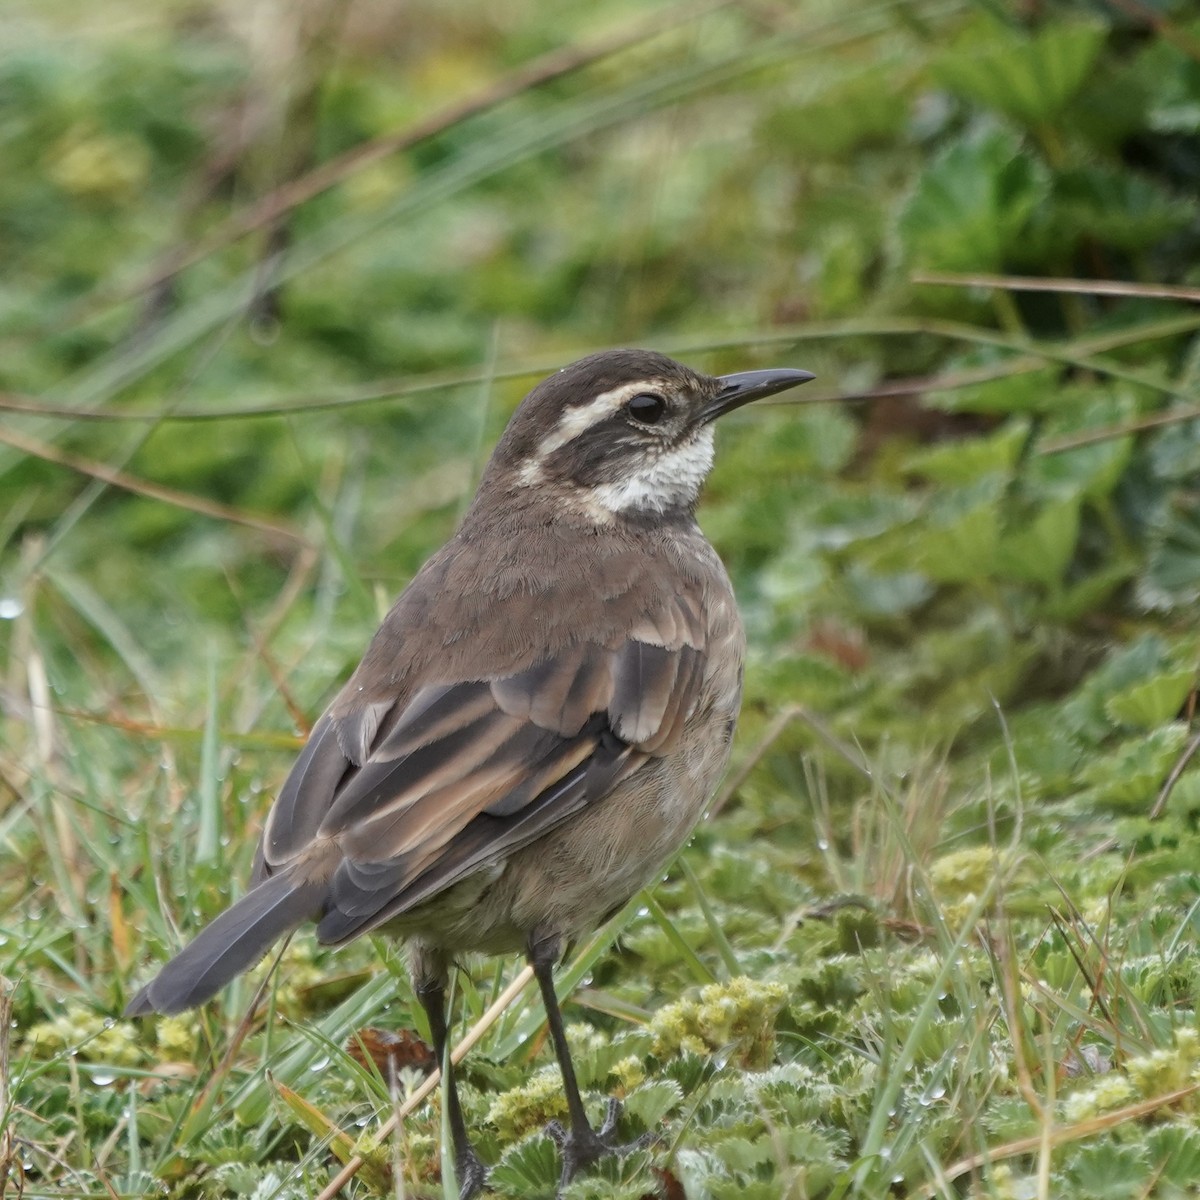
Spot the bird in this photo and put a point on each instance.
(535, 728)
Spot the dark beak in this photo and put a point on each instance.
(745, 386)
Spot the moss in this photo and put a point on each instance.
(1155, 1074)
(524, 1109)
(176, 1037)
(1163, 1071)
(964, 874)
(739, 1014)
(629, 1073)
(1106, 1093)
(92, 164)
(95, 1038)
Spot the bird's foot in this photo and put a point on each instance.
(580, 1148)
(472, 1174)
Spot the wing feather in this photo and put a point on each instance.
(417, 791)
(643, 678)
(304, 799)
(356, 731)
(559, 693)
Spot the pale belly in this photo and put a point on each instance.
(570, 880)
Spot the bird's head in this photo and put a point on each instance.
(623, 433)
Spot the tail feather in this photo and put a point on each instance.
(231, 944)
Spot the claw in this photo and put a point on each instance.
(580, 1148)
(611, 1116)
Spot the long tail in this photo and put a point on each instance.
(231, 944)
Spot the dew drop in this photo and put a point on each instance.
(10, 608)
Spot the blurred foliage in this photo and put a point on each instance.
(957, 875)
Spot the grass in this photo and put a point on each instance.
(939, 938)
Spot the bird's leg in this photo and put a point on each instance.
(582, 1144)
(472, 1174)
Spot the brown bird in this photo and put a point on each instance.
(536, 726)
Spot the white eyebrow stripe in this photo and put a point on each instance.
(581, 417)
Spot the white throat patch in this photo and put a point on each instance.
(673, 479)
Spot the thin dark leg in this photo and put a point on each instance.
(542, 957)
(472, 1174)
(583, 1144)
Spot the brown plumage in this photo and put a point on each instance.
(540, 719)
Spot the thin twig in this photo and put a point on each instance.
(240, 1034)
(1085, 287)
(1061, 1135)
(1026, 357)
(142, 487)
(778, 724)
(843, 748)
(1108, 433)
(432, 1081)
(1189, 752)
(8, 1156)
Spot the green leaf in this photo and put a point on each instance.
(1150, 704)
(1134, 663)
(963, 549)
(1023, 391)
(864, 108)
(1117, 207)
(971, 204)
(528, 1169)
(885, 595)
(1043, 549)
(1130, 776)
(318, 1123)
(741, 1155)
(1171, 77)
(1175, 1153)
(293, 1059)
(1087, 594)
(966, 461)
(1091, 470)
(651, 1102)
(1172, 575)
(1026, 77)
(1108, 1172)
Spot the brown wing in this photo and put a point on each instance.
(416, 795)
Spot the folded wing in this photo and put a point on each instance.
(415, 796)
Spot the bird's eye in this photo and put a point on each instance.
(646, 408)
